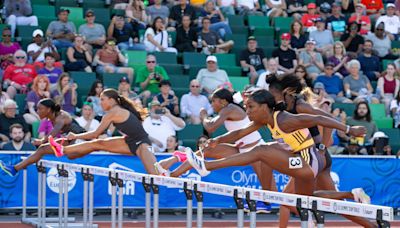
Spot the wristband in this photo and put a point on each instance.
(347, 129)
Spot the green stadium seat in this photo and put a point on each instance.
(25, 41)
(20, 99)
(35, 129)
(377, 111)
(194, 59)
(189, 135)
(265, 41)
(166, 57)
(76, 15)
(26, 30)
(268, 51)
(44, 11)
(220, 131)
(240, 40)
(136, 57)
(44, 23)
(39, 2)
(283, 22)
(383, 122)
(226, 59)
(239, 83)
(173, 68)
(348, 108)
(65, 3)
(194, 70)
(264, 32)
(179, 81)
(84, 81)
(265, 134)
(258, 21)
(93, 4)
(232, 71)
(236, 20)
(385, 62)
(102, 14)
(394, 137)
(111, 80)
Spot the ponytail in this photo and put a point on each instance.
(56, 108)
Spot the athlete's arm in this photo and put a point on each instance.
(105, 122)
(213, 124)
(289, 123)
(233, 136)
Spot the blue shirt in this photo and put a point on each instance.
(369, 65)
(52, 75)
(333, 84)
(25, 147)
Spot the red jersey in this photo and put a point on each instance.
(308, 20)
(373, 4)
(21, 75)
(364, 21)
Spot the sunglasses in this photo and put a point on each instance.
(379, 29)
(328, 68)
(111, 43)
(90, 15)
(6, 35)
(150, 61)
(211, 62)
(195, 86)
(20, 57)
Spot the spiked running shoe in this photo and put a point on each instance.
(181, 156)
(196, 162)
(56, 147)
(160, 170)
(360, 196)
(8, 169)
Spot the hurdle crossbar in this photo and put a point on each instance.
(384, 215)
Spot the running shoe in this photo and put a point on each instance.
(360, 196)
(160, 170)
(181, 156)
(8, 169)
(261, 207)
(56, 147)
(196, 162)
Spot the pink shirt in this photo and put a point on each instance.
(9, 49)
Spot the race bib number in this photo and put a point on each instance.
(295, 163)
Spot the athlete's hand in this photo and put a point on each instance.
(358, 131)
(37, 142)
(71, 136)
(211, 143)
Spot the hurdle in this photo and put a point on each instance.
(151, 183)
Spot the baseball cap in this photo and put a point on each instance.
(37, 32)
(154, 103)
(390, 5)
(319, 85)
(319, 19)
(211, 58)
(311, 41)
(285, 36)
(63, 10)
(124, 79)
(251, 38)
(311, 6)
(89, 12)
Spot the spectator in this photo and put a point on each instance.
(361, 19)
(17, 140)
(157, 10)
(336, 22)
(161, 126)
(136, 11)
(275, 8)
(227, 6)
(311, 60)
(87, 120)
(201, 141)
(177, 12)
(186, 36)
(7, 49)
(62, 31)
(391, 21)
(380, 144)
(374, 8)
(308, 18)
(249, 7)
(388, 85)
(124, 89)
(362, 117)
(397, 63)
(323, 38)
(301, 72)
(167, 98)
(352, 40)
(38, 49)
(297, 37)
(339, 59)
(253, 60)
(395, 110)
(108, 59)
(382, 42)
(156, 37)
(217, 19)
(19, 12)
(332, 84)
(173, 145)
(18, 76)
(40, 90)
(94, 98)
(78, 57)
(296, 8)
(370, 64)
(126, 35)
(286, 57)
(65, 95)
(212, 43)
(149, 77)
(50, 71)
(95, 34)
(348, 6)
(211, 78)
(357, 85)
(3, 97)
(193, 102)
(45, 127)
(119, 4)
(272, 68)
(10, 117)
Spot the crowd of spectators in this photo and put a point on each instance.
(337, 48)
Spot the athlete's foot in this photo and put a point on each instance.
(160, 170)
(360, 196)
(56, 147)
(196, 162)
(181, 156)
(261, 207)
(8, 169)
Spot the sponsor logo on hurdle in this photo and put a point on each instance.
(129, 186)
(53, 181)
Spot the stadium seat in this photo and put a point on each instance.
(180, 84)
(166, 57)
(111, 80)
(76, 15)
(377, 111)
(263, 32)
(385, 62)
(383, 122)
(265, 134)
(20, 99)
(26, 31)
(220, 131)
(232, 71)
(172, 68)
(39, 2)
(136, 57)
(84, 81)
(44, 22)
(283, 23)
(265, 41)
(226, 60)
(35, 129)
(194, 59)
(44, 11)
(348, 108)
(239, 83)
(258, 21)
(236, 20)
(394, 136)
(92, 4)
(189, 135)
(240, 40)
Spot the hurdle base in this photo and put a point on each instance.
(53, 222)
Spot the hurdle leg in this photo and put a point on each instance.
(156, 195)
(24, 186)
(65, 172)
(120, 184)
(303, 212)
(380, 221)
(60, 196)
(252, 207)
(199, 198)
(85, 197)
(91, 192)
(147, 189)
(113, 182)
(240, 206)
(44, 195)
(39, 208)
(319, 215)
(189, 205)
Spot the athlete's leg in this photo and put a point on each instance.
(284, 211)
(147, 157)
(275, 155)
(35, 157)
(168, 162)
(220, 151)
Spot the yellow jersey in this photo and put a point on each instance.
(297, 140)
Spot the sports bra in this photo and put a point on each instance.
(297, 140)
(238, 124)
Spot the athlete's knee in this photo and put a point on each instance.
(100, 144)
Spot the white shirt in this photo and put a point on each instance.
(251, 4)
(261, 79)
(225, 3)
(392, 24)
(34, 47)
(211, 80)
(191, 105)
(160, 129)
(94, 124)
